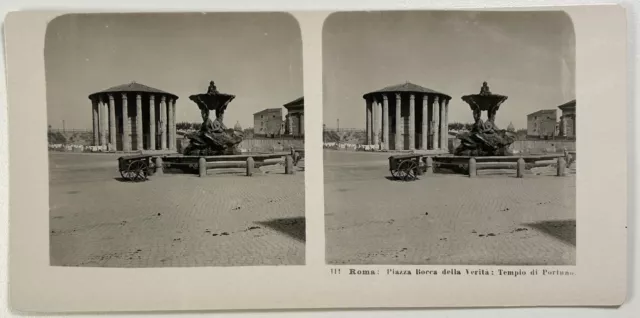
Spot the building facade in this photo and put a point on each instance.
(407, 117)
(267, 122)
(294, 122)
(134, 117)
(542, 123)
(568, 119)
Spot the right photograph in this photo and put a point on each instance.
(449, 138)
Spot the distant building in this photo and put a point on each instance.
(294, 122)
(568, 119)
(542, 123)
(267, 122)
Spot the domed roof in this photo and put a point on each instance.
(237, 126)
(407, 88)
(132, 87)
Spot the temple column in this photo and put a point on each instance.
(139, 134)
(112, 123)
(126, 124)
(435, 122)
(163, 122)
(385, 122)
(290, 123)
(152, 122)
(173, 125)
(412, 122)
(301, 124)
(96, 117)
(399, 140)
(376, 123)
(368, 126)
(425, 122)
(103, 110)
(446, 126)
(442, 124)
(168, 125)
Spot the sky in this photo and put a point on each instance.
(528, 56)
(255, 56)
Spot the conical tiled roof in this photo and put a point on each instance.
(407, 88)
(133, 87)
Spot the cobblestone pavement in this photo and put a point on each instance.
(226, 219)
(495, 219)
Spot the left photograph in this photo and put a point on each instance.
(175, 140)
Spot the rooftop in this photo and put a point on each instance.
(407, 88)
(294, 103)
(267, 110)
(543, 111)
(568, 105)
(132, 87)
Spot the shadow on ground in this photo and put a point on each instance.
(292, 227)
(563, 230)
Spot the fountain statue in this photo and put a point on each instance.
(485, 139)
(213, 137)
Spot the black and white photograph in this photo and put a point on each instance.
(449, 138)
(175, 139)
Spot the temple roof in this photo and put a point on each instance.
(407, 88)
(568, 105)
(133, 87)
(295, 103)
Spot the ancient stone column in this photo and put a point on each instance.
(112, 122)
(290, 124)
(369, 138)
(399, 140)
(169, 118)
(385, 122)
(96, 117)
(443, 132)
(412, 122)
(376, 123)
(139, 122)
(173, 124)
(163, 123)
(446, 125)
(126, 124)
(425, 122)
(104, 121)
(301, 124)
(152, 122)
(435, 122)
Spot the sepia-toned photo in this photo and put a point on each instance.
(175, 140)
(450, 138)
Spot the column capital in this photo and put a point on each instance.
(124, 95)
(435, 98)
(138, 96)
(398, 96)
(110, 96)
(163, 98)
(385, 97)
(412, 96)
(425, 97)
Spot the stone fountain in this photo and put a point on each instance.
(213, 138)
(485, 139)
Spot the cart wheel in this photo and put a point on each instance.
(394, 173)
(126, 174)
(138, 170)
(407, 170)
